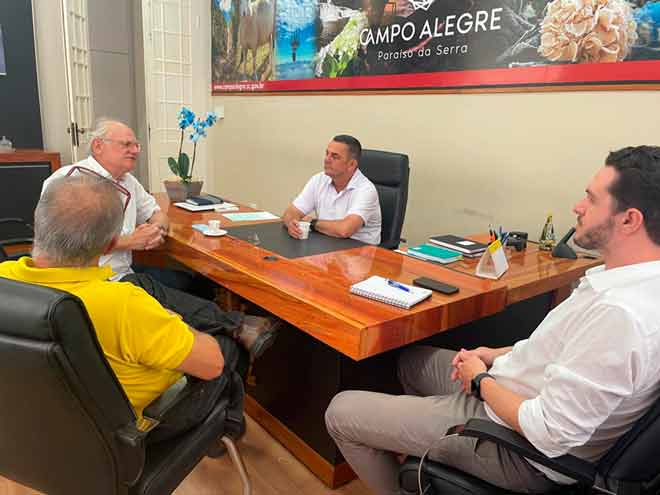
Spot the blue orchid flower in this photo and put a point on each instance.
(186, 118)
(211, 118)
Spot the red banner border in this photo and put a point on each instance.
(646, 71)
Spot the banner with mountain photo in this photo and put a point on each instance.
(348, 45)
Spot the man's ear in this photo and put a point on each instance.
(633, 220)
(111, 246)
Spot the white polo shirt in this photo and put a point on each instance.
(591, 368)
(141, 207)
(359, 197)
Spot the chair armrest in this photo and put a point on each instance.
(167, 400)
(568, 465)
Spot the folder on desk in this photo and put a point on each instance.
(429, 252)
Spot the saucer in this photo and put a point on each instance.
(215, 233)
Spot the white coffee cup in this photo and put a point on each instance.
(304, 227)
(214, 225)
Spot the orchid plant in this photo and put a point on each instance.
(183, 167)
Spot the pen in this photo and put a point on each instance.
(393, 283)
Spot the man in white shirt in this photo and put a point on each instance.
(579, 382)
(113, 155)
(343, 200)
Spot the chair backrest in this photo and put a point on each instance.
(62, 405)
(389, 172)
(634, 457)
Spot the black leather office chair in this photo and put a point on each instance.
(14, 231)
(65, 423)
(389, 172)
(630, 467)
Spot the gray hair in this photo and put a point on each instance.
(101, 128)
(76, 219)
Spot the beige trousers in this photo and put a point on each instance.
(371, 428)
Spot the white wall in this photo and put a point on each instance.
(475, 159)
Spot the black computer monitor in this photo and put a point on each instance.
(21, 185)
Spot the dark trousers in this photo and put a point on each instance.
(201, 395)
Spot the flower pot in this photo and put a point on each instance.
(180, 191)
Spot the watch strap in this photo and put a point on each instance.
(476, 384)
(312, 224)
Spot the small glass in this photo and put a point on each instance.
(253, 238)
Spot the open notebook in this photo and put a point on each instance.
(377, 288)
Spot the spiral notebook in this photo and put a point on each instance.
(377, 288)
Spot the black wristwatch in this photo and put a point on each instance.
(312, 224)
(476, 384)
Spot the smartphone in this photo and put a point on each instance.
(429, 283)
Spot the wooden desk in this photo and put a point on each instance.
(298, 377)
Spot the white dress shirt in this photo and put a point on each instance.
(141, 207)
(359, 197)
(591, 368)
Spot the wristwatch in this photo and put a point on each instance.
(476, 384)
(312, 224)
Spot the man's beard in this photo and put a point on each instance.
(596, 237)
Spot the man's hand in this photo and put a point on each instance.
(468, 366)
(294, 229)
(486, 354)
(146, 236)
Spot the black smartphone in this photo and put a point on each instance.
(429, 283)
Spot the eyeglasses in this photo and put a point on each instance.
(124, 144)
(85, 171)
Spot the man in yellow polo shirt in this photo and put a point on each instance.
(149, 348)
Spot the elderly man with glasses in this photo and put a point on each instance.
(113, 154)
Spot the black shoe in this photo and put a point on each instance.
(257, 334)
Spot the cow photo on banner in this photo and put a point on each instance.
(321, 45)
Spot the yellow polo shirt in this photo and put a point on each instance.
(143, 343)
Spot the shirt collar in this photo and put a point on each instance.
(27, 272)
(92, 164)
(601, 279)
(352, 183)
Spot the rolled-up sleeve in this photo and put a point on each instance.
(305, 202)
(580, 393)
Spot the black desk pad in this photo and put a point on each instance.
(274, 237)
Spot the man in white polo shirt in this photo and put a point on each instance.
(343, 200)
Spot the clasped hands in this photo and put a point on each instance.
(148, 236)
(469, 363)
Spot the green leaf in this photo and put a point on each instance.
(174, 166)
(184, 165)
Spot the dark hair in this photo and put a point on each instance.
(638, 184)
(354, 146)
